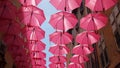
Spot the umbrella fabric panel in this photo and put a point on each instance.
(100, 5)
(63, 21)
(58, 59)
(75, 65)
(58, 65)
(36, 46)
(82, 50)
(93, 21)
(87, 37)
(61, 38)
(32, 16)
(33, 33)
(59, 50)
(7, 10)
(30, 2)
(66, 5)
(79, 59)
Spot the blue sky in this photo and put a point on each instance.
(48, 10)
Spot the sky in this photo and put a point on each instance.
(48, 11)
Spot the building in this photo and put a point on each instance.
(107, 50)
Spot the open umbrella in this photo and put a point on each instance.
(87, 37)
(68, 4)
(9, 27)
(31, 15)
(36, 46)
(58, 59)
(59, 50)
(38, 55)
(30, 2)
(63, 20)
(39, 66)
(93, 21)
(100, 5)
(7, 9)
(61, 38)
(33, 33)
(57, 65)
(79, 59)
(38, 62)
(75, 65)
(13, 40)
(82, 49)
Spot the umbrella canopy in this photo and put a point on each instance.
(93, 21)
(30, 2)
(39, 66)
(33, 33)
(87, 37)
(7, 9)
(79, 59)
(57, 65)
(38, 62)
(58, 59)
(59, 50)
(36, 46)
(75, 65)
(31, 15)
(9, 27)
(13, 40)
(82, 49)
(38, 55)
(68, 4)
(61, 38)
(100, 5)
(63, 20)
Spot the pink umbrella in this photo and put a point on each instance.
(75, 65)
(68, 4)
(9, 27)
(58, 59)
(38, 62)
(63, 20)
(30, 2)
(38, 55)
(79, 59)
(31, 16)
(36, 46)
(93, 21)
(61, 38)
(82, 49)
(57, 65)
(39, 66)
(100, 5)
(33, 33)
(59, 50)
(13, 40)
(7, 9)
(87, 37)
(16, 50)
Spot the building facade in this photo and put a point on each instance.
(107, 50)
